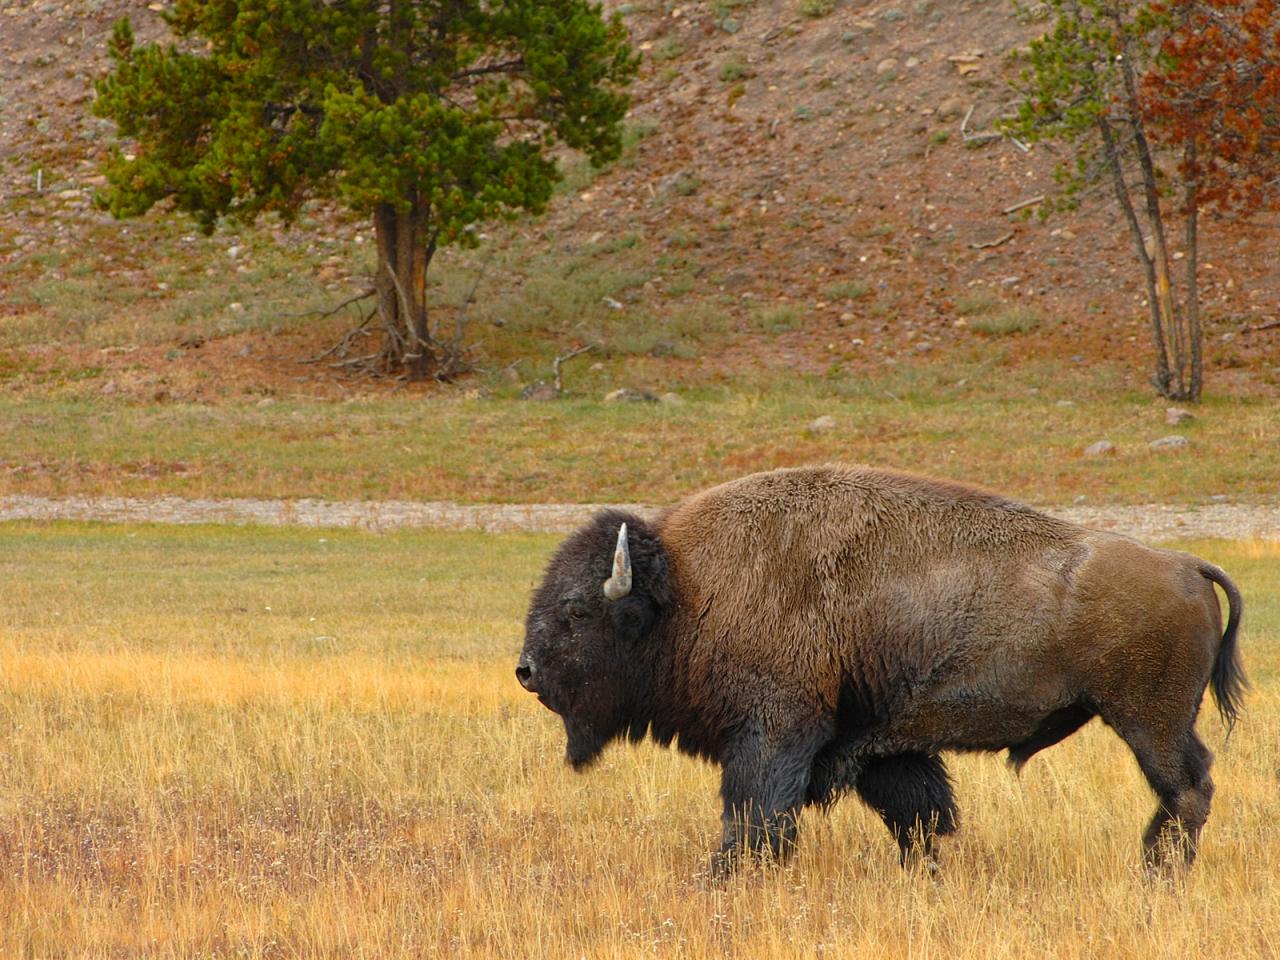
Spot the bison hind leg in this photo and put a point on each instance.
(1180, 777)
(912, 793)
(1054, 728)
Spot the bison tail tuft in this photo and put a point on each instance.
(1228, 680)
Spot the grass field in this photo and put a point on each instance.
(1001, 431)
(278, 743)
(122, 375)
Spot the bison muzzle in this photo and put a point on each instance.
(820, 630)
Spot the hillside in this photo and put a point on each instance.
(801, 194)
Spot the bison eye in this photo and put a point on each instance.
(575, 610)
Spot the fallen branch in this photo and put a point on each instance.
(968, 137)
(776, 32)
(1255, 327)
(356, 361)
(460, 319)
(1029, 202)
(988, 136)
(993, 243)
(341, 346)
(555, 366)
(329, 313)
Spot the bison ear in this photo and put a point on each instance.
(619, 585)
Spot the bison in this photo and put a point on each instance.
(825, 629)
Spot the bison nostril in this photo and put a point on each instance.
(525, 675)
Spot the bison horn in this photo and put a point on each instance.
(619, 585)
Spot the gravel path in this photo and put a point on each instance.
(1147, 522)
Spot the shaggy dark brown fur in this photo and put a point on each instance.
(823, 629)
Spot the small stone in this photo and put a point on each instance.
(823, 424)
(950, 108)
(1177, 416)
(611, 303)
(1066, 403)
(737, 280)
(629, 395)
(682, 182)
(886, 67)
(109, 388)
(1103, 448)
(892, 16)
(539, 391)
(1174, 442)
(662, 348)
(672, 399)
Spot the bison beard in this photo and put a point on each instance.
(584, 743)
(824, 630)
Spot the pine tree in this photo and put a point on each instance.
(427, 116)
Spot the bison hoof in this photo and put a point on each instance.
(923, 864)
(723, 865)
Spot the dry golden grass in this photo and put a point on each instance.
(354, 773)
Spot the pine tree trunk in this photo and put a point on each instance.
(403, 255)
(419, 358)
(384, 223)
(401, 282)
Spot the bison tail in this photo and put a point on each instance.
(1228, 679)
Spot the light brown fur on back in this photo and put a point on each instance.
(941, 604)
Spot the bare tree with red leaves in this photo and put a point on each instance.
(1181, 94)
(1215, 99)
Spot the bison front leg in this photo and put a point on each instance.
(912, 793)
(765, 782)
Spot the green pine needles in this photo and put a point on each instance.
(428, 116)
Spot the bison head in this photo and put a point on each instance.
(588, 651)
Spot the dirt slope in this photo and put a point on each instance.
(788, 155)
